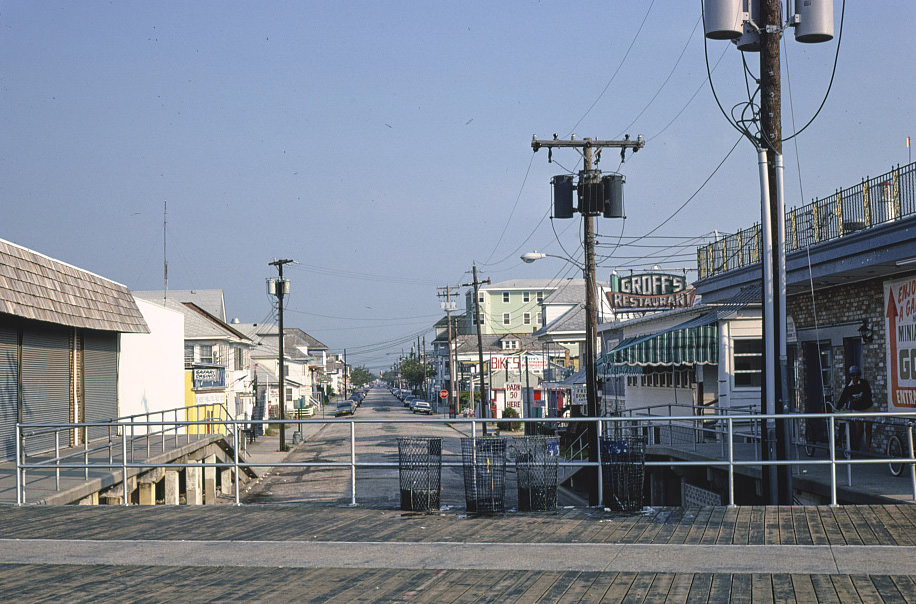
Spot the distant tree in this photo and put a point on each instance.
(415, 372)
(360, 376)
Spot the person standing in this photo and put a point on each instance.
(857, 397)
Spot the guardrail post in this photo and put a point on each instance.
(124, 468)
(20, 471)
(352, 463)
(730, 423)
(235, 455)
(909, 439)
(600, 472)
(57, 459)
(831, 442)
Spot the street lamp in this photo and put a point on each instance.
(591, 338)
(536, 255)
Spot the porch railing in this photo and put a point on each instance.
(874, 201)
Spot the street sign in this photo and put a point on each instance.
(443, 394)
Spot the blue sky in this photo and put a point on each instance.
(385, 146)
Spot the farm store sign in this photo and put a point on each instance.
(652, 290)
(900, 314)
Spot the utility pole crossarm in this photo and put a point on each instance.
(635, 145)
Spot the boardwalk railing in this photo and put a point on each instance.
(733, 438)
(874, 201)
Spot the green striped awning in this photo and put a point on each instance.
(694, 342)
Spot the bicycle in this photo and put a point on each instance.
(816, 433)
(895, 447)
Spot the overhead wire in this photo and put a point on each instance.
(667, 79)
(617, 70)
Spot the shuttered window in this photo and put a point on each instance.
(46, 383)
(100, 379)
(9, 377)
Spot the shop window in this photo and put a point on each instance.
(747, 361)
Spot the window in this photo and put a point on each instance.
(505, 296)
(506, 319)
(747, 358)
(526, 297)
(480, 299)
(480, 319)
(206, 353)
(510, 344)
(241, 358)
(540, 296)
(526, 318)
(188, 355)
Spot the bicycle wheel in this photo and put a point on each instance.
(895, 450)
(810, 448)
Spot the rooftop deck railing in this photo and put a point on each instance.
(873, 202)
(732, 435)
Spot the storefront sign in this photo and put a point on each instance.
(517, 363)
(514, 395)
(652, 290)
(900, 314)
(579, 395)
(209, 377)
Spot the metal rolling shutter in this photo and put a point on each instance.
(45, 382)
(100, 379)
(9, 379)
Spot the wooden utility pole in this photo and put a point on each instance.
(777, 480)
(279, 291)
(452, 374)
(484, 393)
(588, 177)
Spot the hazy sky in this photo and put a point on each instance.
(385, 146)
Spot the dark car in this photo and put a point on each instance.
(345, 408)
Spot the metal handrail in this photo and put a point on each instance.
(874, 201)
(615, 425)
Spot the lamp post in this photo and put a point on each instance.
(591, 336)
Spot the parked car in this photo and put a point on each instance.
(422, 407)
(345, 408)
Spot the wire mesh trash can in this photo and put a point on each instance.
(484, 464)
(623, 472)
(536, 466)
(420, 473)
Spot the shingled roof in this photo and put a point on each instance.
(34, 286)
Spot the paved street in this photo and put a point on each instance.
(375, 486)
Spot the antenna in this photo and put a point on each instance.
(165, 260)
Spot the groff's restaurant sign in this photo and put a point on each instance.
(651, 291)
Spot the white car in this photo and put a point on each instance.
(419, 406)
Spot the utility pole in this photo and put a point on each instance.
(777, 479)
(281, 287)
(590, 180)
(761, 30)
(447, 305)
(484, 394)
